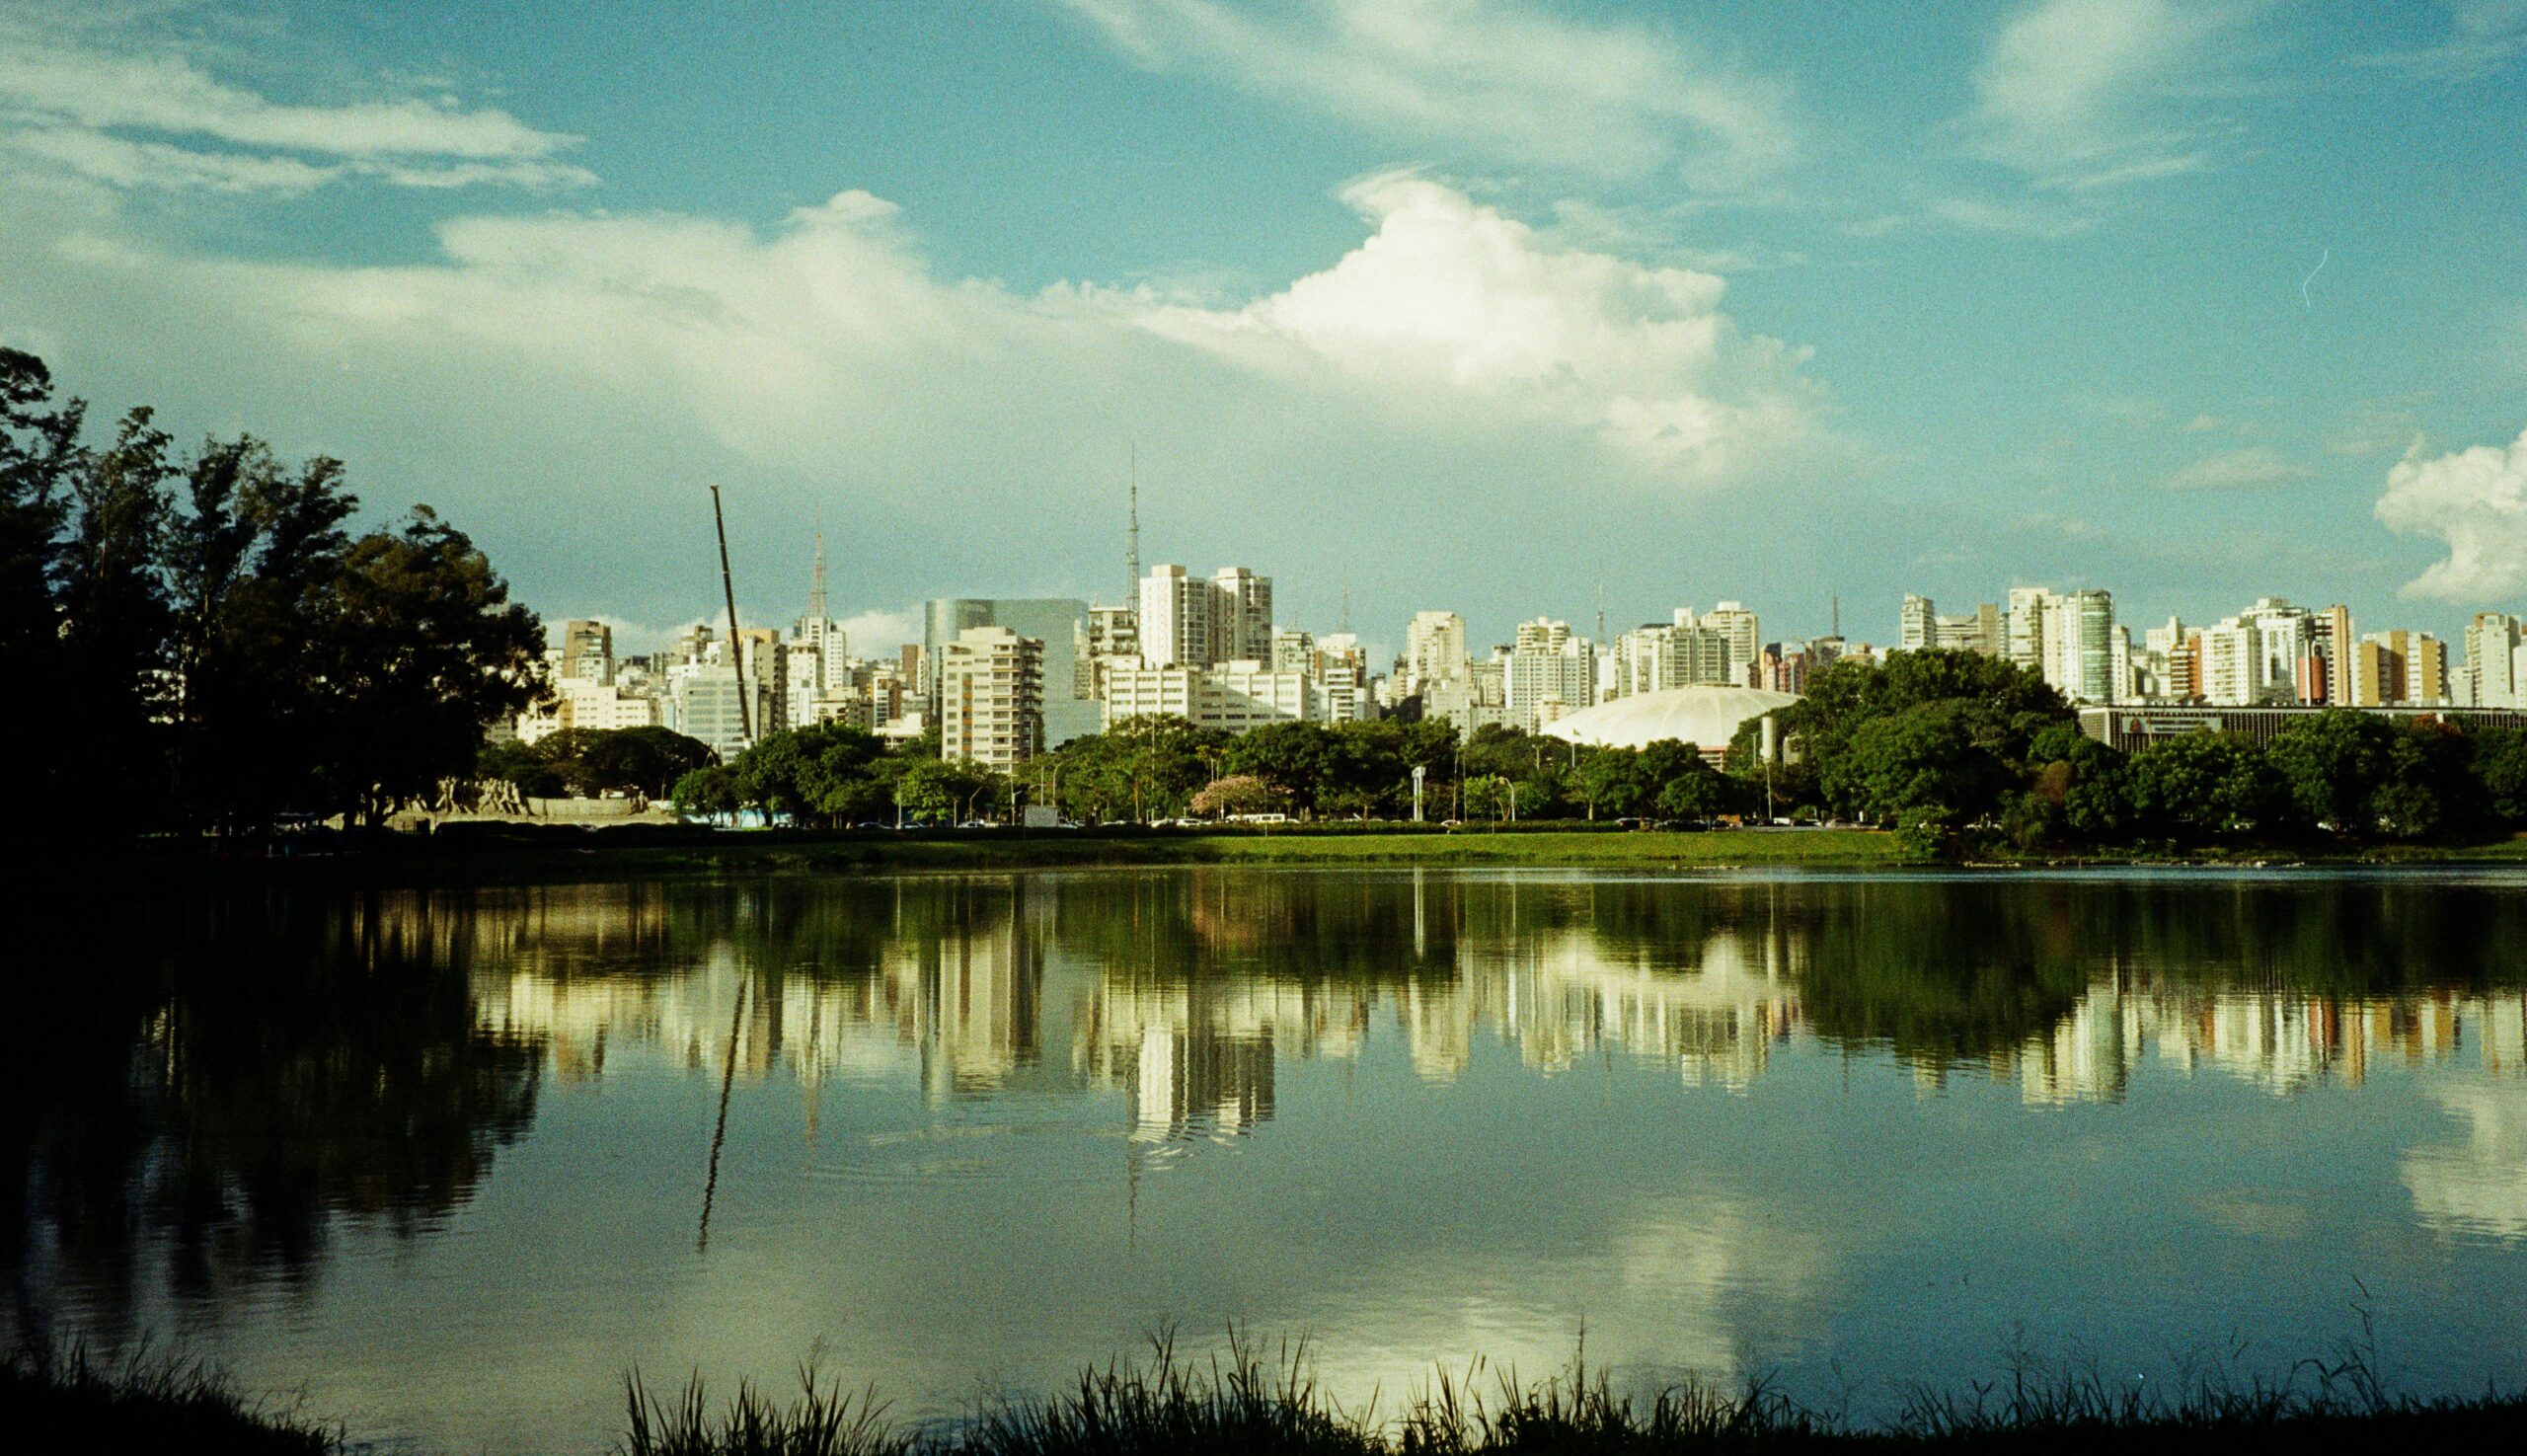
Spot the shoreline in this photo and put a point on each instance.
(495, 853)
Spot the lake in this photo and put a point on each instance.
(453, 1161)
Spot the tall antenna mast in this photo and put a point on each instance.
(1601, 608)
(817, 593)
(1838, 615)
(1346, 607)
(737, 648)
(1132, 533)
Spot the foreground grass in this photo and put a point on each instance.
(1249, 1404)
(143, 1403)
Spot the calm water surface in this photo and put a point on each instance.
(446, 1160)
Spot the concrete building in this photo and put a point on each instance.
(1434, 649)
(1241, 616)
(1658, 655)
(1062, 624)
(2402, 669)
(703, 701)
(991, 697)
(588, 652)
(1741, 629)
(1187, 621)
(1916, 624)
(2495, 672)
(2337, 658)
(1550, 673)
(1234, 696)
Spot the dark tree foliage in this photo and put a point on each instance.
(234, 653)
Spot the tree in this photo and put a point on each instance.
(1923, 761)
(38, 452)
(1698, 793)
(2425, 783)
(2332, 766)
(2501, 768)
(942, 791)
(2207, 783)
(1239, 794)
(1488, 797)
(115, 615)
(1300, 759)
(426, 653)
(2085, 786)
(1615, 781)
(710, 792)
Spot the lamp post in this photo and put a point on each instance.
(1417, 771)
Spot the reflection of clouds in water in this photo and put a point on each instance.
(2478, 1186)
(1720, 1274)
(1717, 1285)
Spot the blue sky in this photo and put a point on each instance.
(1459, 304)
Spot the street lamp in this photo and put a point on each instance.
(1417, 772)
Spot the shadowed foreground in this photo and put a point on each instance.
(1242, 1401)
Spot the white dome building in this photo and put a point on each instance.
(1707, 717)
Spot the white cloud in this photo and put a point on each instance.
(2256, 465)
(1519, 81)
(2474, 500)
(135, 116)
(2085, 94)
(1449, 296)
(2479, 1187)
(562, 379)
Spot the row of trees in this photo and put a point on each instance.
(589, 763)
(203, 643)
(1943, 743)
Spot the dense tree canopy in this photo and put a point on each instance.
(234, 652)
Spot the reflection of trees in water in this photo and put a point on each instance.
(221, 1084)
(216, 1081)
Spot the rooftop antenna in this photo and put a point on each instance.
(1838, 615)
(737, 648)
(816, 592)
(1601, 606)
(1132, 532)
(1347, 608)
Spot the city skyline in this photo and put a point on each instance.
(2194, 302)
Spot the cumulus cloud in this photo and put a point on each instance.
(2474, 500)
(1452, 297)
(132, 117)
(2087, 95)
(2256, 465)
(1520, 82)
(565, 379)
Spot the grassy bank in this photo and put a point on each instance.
(144, 1402)
(527, 854)
(1244, 1403)
(1249, 1400)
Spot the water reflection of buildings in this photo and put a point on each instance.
(1000, 985)
(2279, 1040)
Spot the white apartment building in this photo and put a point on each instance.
(1659, 655)
(1235, 696)
(1187, 621)
(2496, 671)
(991, 697)
(1434, 649)
(1741, 629)
(1550, 673)
(2285, 637)
(2230, 657)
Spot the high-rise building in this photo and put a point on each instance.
(2026, 628)
(1916, 624)
(2400, 669)
(1551, 673)
(2228, 659)
(2337, 658)
(1174, 618)
(2070, 639)
(1069, 682)
(588, 652)
(991, 703)
(1435, 650)
(2283, 633)
(2496, 662)
(1744, 634)
(702, 702)
(1658, 656)
(1241, 616)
